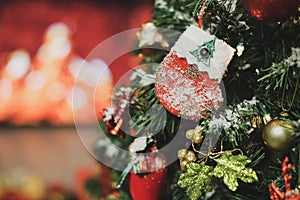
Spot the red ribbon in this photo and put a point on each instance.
(201, 14)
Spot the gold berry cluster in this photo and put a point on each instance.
(195, 135)
(186, 156)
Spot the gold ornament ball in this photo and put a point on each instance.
(190, 156)
(189, 134)
(182, 153)
(277, 134)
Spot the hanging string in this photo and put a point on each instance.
(201, 14)
(214, 155)
(285, 111)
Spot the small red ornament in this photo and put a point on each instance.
(185, 91)
(271, 10)
(149, 185)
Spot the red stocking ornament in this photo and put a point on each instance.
(187, 81)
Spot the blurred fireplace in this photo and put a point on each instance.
(43, 43)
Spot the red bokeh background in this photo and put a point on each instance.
(23, 25)
(53, 155)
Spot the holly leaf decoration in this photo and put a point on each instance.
(196, 179)
(233, 167)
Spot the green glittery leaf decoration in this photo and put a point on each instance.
(233, 167)
(196, 179)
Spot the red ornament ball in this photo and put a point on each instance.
(271, 10)
(149, 185)
(185, 91)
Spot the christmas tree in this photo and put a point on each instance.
(218, 114)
